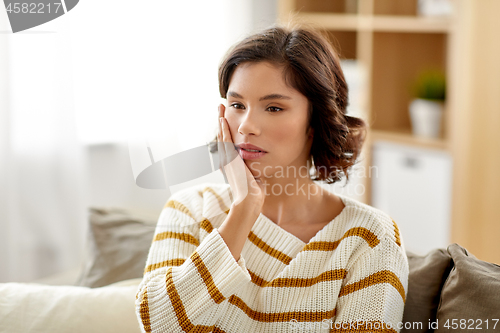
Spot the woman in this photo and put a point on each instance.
(282, 254)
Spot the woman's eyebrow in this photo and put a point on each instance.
(274, 96)
(270, 96)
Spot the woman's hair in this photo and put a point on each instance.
(312, 67)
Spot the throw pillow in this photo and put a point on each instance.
(118, 246)
(426, 278)
(470, 299)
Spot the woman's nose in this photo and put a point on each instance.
(249, 124)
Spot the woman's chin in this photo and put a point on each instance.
(256, 172)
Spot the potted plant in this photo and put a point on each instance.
(426, 110)
(435, 7)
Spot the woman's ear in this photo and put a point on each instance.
(310, 132)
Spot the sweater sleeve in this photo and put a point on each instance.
(185, 280)
(374, 292)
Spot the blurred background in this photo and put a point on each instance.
(77, 92)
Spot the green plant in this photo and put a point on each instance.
(430, 85)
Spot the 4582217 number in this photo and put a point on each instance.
(33, 8)
(471, 324)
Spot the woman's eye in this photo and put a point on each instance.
(236, 105)
(274, 109)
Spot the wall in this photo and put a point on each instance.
(112, 184)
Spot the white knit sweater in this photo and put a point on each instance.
(352, 276)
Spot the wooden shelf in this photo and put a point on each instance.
(330, 21)
(394, 44)
(406, 137)
(411, 24)
(376, 23)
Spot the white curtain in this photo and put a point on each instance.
(102, 73)
(42, 184)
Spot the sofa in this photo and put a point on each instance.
(448, 289)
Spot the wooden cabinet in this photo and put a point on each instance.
(393, 44)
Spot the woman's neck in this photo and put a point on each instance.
(290, 200)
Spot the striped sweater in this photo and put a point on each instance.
(352, 276)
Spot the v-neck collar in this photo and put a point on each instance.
(287, 239)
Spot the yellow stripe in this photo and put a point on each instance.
(177, 235)
(362, 327)
(222, 205)
(178, 206)
(207, 278)
(187, 326)
(144, 312)
(171, 262)
(300, 316)
(332, 275)
(364, 233)
(269, 250)
(206, 225)
(396, 233)
(384, 276)
(180, 311)
(185, 322)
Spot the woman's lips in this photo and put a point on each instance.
(250, 155)
(249, 146)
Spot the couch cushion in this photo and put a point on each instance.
(425, 281)
(471, 294)
(117, 247)
(30, 307)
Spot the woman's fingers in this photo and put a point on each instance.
(219, 133)
(232, 166)
(226, 134)
(227, 139)
(221, 115)
(222, 110)
(220, 145)
(235, 171)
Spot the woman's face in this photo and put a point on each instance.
(264, 111)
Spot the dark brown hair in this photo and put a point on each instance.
(312, 67)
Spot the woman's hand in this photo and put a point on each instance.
(248, 192)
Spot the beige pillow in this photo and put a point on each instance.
(425, 282)
(470, 299)
(30, 307)
(117, 247)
